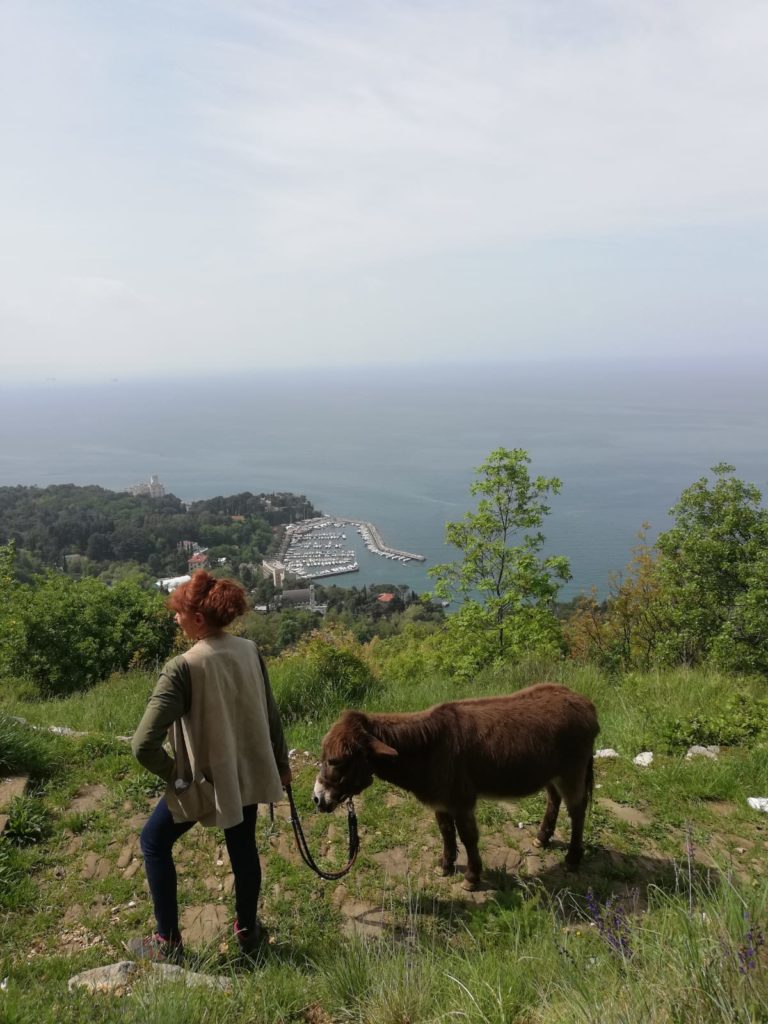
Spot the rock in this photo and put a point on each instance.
(96, 867)
(697, 751)
(395, 861)
(643, 760)
(365, 919)
(114, 978)
(64, 730)
(204, 924)
(192, 979)
(758, 803)
(606, 752)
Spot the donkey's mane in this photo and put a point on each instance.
(417, 730)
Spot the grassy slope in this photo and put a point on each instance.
(529, 949)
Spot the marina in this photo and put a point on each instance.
(317, 548)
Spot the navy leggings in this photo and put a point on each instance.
(157, 839)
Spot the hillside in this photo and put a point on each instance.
(659, 924)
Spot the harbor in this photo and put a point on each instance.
(318, 548)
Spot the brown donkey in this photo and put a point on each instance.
(453, 753)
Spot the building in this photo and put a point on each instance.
(153, 489)
(275, 571)
(198, 561)
(170, 583)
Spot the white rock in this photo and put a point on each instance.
(607, 752)
(116, 978)
(697, 751)
(758, 803)
(292, 752)
(105, 979)
(644, 759)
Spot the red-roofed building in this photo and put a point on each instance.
(198, 561)
(385, 598)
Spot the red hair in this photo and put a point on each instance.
(218, 601)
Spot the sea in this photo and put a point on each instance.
(399, 446)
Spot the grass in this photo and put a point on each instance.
(656, 927)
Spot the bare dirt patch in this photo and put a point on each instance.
(630, 815)
(87, 799)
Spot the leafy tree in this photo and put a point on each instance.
(506, 585)
(712, 574)
(625, 630)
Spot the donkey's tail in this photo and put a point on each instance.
(589, 782)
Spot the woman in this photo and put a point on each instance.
(216, 707)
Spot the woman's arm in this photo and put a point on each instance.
(169, 701)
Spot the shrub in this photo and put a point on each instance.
(739, 719)
(323, 675)
(70, 634)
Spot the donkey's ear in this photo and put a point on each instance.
(381, 749)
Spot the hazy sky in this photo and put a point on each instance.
(202, 186)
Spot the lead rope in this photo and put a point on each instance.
(301, 842)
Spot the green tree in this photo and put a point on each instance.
(712, 574)
(506, 585)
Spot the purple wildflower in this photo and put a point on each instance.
(611, 922)
(747, 951)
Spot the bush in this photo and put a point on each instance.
(739, 720)
(323, 675)
(69, 634)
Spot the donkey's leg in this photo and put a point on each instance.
(467, 827)
(548, 822)
(447, 827)
(576, 795)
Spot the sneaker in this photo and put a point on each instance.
(156, 948)
(251, 940)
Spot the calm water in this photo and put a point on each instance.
(399, 447)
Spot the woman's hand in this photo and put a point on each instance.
(286, 776)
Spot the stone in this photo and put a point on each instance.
(204, 924)
(394, 861)
(132, 868)
(643, 760)
(365, 920)
(96, 867)
(697, 751)
(758, 803)
(126, 855)
(113, 978)
(607, 752)
(117, 979)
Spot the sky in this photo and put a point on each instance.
(226, 185)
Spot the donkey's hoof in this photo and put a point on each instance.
(471, 884)
(444, 870)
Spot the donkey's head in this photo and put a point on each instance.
(345, 769)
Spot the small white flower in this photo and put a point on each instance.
(4, 985)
